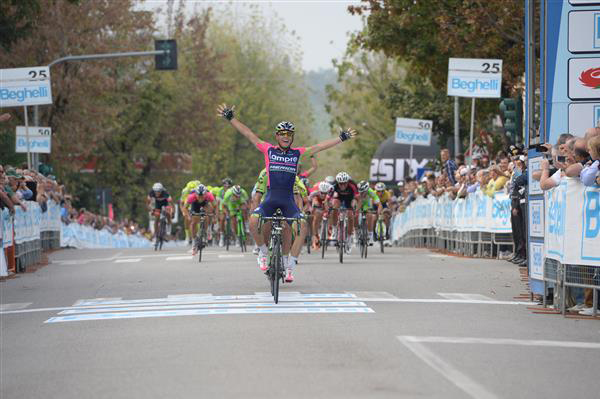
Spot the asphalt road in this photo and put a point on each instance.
(408, 323)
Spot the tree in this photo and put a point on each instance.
(426, 34)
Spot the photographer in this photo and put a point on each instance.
(518, 202)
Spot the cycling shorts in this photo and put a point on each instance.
(283, 199)
(197, 206)
(346, 200)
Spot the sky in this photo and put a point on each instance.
(322, 25)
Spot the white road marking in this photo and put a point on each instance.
(133, 260)
(95, 300)
(232, 256)
(203, 312)
(470, 387)
(85, 304)
(286, 293)
(183, 296)
(14, 306)
(215, 306)
(78, 261)
(503, 341)
(186, 257)
(474, 297)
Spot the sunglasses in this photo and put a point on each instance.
(285, 133)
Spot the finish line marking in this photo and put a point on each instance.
(205, 312)
(133, 260)
(468, 297)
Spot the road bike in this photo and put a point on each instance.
(162, 229)
(200, 241)
(240, 229)
(380, 232)
(228, 232)
(363, 234)
(276, 271)
(342, 233)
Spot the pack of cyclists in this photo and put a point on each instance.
(280, 185)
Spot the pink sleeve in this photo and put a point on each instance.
(263, 146)
(210, 197)
(191, 198)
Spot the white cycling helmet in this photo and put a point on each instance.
(342, 177)
(201, 189)
(285, 125)
(363, 186)
(324, 187)
(157, 187)
(380, 186)
(236, 190)
(330, 180)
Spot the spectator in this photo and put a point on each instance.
(485, 161)
(497, 181)
(590, 174)
(9, 183)
(448, 166)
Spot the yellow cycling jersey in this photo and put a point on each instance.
(384, 196)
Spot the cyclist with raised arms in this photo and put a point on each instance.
(370, 203)
(282, 167)
(344, 193)
(158, 198)
(200, 198)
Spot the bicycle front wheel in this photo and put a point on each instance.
(341, 240)
(323, 239)
(200, 242)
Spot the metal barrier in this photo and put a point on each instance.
(564, 276)
(27, 254)
(467, 243)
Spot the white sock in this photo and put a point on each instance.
(292, 262)
(263, 250)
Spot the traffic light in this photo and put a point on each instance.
(168, 61)
(511, 112)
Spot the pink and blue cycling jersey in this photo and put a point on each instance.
(282, 166)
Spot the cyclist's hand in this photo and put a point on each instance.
(348, 134)
(224, 111)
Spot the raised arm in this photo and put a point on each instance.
(227, 112)
(327, 144)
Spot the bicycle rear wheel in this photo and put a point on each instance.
(163, 227)
(341, 238)
(200, 242)
(323, 238)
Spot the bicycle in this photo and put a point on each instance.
(308, 239)
(228, 231)
(363, 234)
(240, 229)
(342, 233)
(380, 232)
(324, 234)
(276, 271)
(162, 227)
(200, 243)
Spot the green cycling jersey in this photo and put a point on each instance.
(261, 185)
(232, 202)
(370, 200)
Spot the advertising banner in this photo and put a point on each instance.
(474, 77)
(25, 86)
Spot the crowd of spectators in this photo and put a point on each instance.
(578, 158)
(505, 172)
(19, 185)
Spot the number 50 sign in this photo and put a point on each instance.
(21, 87)
(474, 77)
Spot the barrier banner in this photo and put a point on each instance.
(6, 227)
(477, 212)
(79, 236)
(27, 223)
(572, 231)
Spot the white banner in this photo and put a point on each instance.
(573, 223)
(477, 212)
(79, 236)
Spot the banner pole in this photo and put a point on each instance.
(27, 137)
(471, 132)
(411, 162)
(456, 127)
